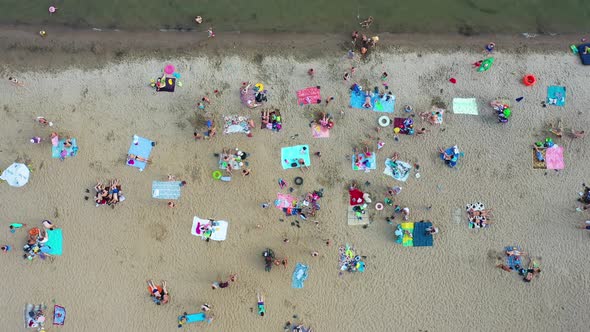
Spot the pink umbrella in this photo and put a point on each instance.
(169, 69)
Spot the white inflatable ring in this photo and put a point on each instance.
(379, 206)
(384, 121)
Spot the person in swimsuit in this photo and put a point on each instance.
(154, 292)
(165, 295)
(16, 82)
(261, 308)
(68, 142)
(138, 158)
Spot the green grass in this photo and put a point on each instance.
(308, 15)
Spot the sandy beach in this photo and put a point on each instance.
(454, 285)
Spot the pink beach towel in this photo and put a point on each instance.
(554, 158)
(309, 96)
(284, 201)
(320, 132)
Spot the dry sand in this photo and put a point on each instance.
(109, 253)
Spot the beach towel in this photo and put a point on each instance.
(166, 189)
(539, 164)
(291, 155)
(399, 170)
(317, 131)
(142, 147)
(299, 276)
(223, 164)
(219, 229)
(554, 157)
(478, 206)
(30, 322)
(513, 261)
(233, 124)
(407, 240)
(59, 315)
(284, 201)
(249, 98)
(361, 162)
(465, 106)
(356, 196)
(421, 237)
(309, 95)
(399, 123)
(191, 318)
(275, 121)
(584, 57)
(556, 95)
(357, 219)
(62, 152)
(170, 85)
(379, 104)
(54, 242)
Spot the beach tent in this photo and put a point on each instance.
(17, 175)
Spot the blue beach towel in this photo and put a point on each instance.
(193, 318)
(166, 189)
(556, 95)
(54, 242)
(584, 57)
(59, 315)
(512, 261)
(357, 99)
(421, 238)
(143, 149)
(299, 276)
(291, 155)
(69, 152)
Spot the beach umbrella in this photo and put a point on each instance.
(17, 175)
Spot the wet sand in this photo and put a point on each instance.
(109, 253)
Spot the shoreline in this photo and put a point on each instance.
(66, 47)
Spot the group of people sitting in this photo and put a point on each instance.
(37, 238)
(158, 294)
(325, 120)
(479, 218)
(210, 133)
(231, 160)
(252, 96)
(434, 117)
(532, 270)
(365, 42)
(270, 259)
(368, 104)
(109, 195)
(271, 120)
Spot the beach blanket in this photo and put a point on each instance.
(219, 229)
(357, 219)
(513, 261)
(554, 157)
(30, 321)
(421, 237)
(248, 98)
(379, 104)
(191, 318)
(233, 124)
(59, 315)
(291, 155)
(399, 123)
(141, 148)
(317, 131)
(223, 164)
(62, 152)
(399, 170)
(556, 95)
(170, 85)
(166, 189)
(349, 260)
(478, 206)
(299, 276)
(539, 164)
(54, 242)
(465, 106)
(584, 57)
(407, 240)
(356, 197)
(361, 162)
(275, 121)
(284, 201)
(309, 95)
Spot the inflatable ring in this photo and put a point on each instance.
(298, 180)
(384, 121)
(529, 80)
(217, 175)
(379, 206)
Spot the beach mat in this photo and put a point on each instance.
(54, 242)
(30, 323)
(56, 151)
(556, 95)
(235, 124)
(219, 230)
(284, 201)
(193, 318)
(408, 241)
(371, 162)
(421, 238)
(354, 221)
(465, 106)
(554, 157)
(539, 164)
(59, 315)
(317, 131)
(143, 149)
(513, 261)
(166, 189)
(401, 171)
(170, 85)
(357, 101)
(309, 95)
(584, 57)
(299, 276)
(290, 156)
(399, 123)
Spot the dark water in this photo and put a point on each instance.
(463, 16)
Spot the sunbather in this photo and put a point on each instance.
(138, 158)
(68, 142)
(367, 103)
(532, 271)
(367, 23)
(165, 295)
(515, 252)
(302, 165)
(577, 134)
(261, 308)
(154, 292)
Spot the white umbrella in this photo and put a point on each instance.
(17, 175)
